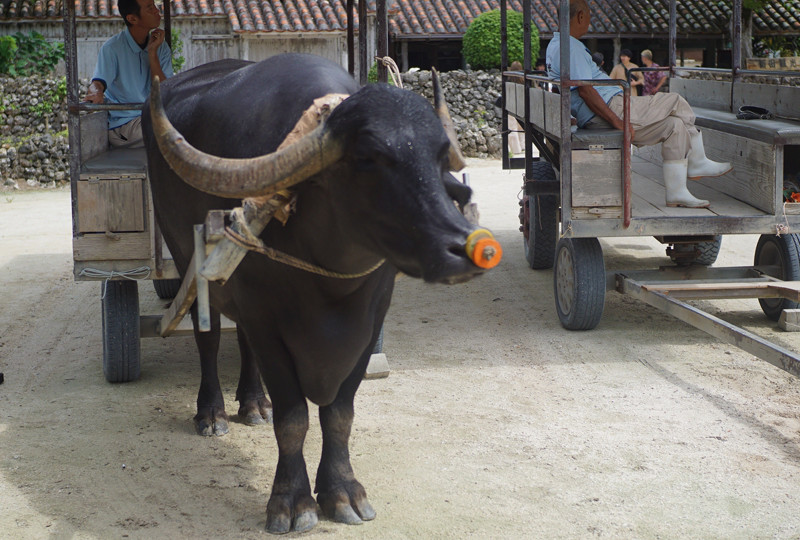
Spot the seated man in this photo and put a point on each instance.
(125, 66)
(661, 118)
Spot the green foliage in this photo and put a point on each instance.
(52, 101)
(177, 51)
(776, 46)
(481, 43)
(29, 54)
(8, 50)
(372, 75)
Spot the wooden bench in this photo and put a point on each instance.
(596, 183)
(114, 218)
(756, 148)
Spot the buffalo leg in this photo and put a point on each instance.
(211, 418)
(254, 407)
(290, 505)
(340, 496)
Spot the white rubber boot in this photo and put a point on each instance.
(699, 165)
(675, 183)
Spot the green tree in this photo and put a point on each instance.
(481, 43)
(29, 54)
(177, 51)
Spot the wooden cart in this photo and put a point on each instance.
(116, 240)
(586, 184)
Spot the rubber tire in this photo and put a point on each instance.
(167, 289)
(782, 251)
(542, 222)
(120, 315)
(579, 283)
(709, 251)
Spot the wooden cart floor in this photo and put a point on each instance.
(647, 182)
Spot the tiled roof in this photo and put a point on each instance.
(244, 15)
(408, 18)
(644, 17)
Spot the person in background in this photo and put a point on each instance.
(125, 67)
(653, 80)
(664, 118)
(541, 65)
(621, 71)
(599, 59)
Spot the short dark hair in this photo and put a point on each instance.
(626, 52)
(574, 7)
(128, 7)
(598, 58)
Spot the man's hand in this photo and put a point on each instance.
(155, 41)
(95, 92)
(600, 108)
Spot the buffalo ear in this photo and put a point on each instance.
(440, 105)
(461, 193)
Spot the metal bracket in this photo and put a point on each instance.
(596, 148)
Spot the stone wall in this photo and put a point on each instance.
(33, 133)
(33, 123)
(470, 97)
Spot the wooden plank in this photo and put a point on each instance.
(742, 289)
(711, 94)
(760, 95)
(601, 212)
(149, 326)
(747, 190)
(181, 304)
(94, 134)
(753, 177)
(552, 114)
(786, 102)
(111, 205)
(511, 99)
(785, 63)
(596, 178)
(537, 107)
(116, 246)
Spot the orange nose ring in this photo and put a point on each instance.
(482, 249)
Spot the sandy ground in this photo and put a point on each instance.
(494, 423)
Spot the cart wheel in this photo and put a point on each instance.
(579, 281)
(120, 331)
(704, 253)
(166, 289)
(540, 222)
(782, 252)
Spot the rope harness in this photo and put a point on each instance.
(280, 205)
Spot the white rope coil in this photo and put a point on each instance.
(394, 71)
(134, 274)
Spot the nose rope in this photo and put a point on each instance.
(253, 243)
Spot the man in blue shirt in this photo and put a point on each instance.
(125, 67)
(662, 118)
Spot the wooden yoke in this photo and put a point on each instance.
(247, 221)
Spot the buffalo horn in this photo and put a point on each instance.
(456, 159)
(239, 178)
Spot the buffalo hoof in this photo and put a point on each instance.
(256, 412)
(346, 504)
(280, 511)
(211, 422)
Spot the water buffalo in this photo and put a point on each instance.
(372, 185)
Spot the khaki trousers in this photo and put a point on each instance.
(127, 135)
(662, 118)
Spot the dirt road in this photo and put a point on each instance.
(494, 422)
